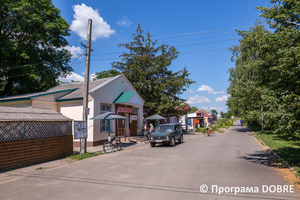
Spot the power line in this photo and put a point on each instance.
(73, 63)
(120, 58)
(191, 52)
(191, 33)
(17, 14)
(77, 59)
(178, 38)
(44, 62)
(193, 44)
(204, 31)
(209, 42)
(204, 51)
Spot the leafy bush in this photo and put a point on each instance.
(200, 130)
(215, 128)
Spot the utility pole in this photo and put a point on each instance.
(262, 119)
(86, 82)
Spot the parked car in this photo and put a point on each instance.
(167, 133)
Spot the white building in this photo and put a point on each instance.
(115, 94)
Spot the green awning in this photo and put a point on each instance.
(124, 97)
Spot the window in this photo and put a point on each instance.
(104, 123)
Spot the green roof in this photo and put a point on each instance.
(28, 97)
(124, 97)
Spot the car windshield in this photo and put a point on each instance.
(164, 128)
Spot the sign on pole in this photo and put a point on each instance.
(80, 129)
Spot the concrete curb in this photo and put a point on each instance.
(283, 161)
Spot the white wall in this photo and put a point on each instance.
(43, 104)
(74, 110)
(107, 95)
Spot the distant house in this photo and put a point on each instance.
(199, 117)
(115, 94)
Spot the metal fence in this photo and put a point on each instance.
(27, 130)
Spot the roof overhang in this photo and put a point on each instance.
(124, 97)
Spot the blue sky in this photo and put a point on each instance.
(200, 30)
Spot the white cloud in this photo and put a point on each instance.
(191, 91)
(75, 51)
(222, 98)
(213, 108)
(216, 108)
(73, 76)
(197, 99)
(124, 22)
(100, 28)
(208, 89)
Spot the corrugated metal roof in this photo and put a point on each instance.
(80, 91)
(30, 114)
(76, 90)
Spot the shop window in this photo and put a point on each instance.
(104, 123)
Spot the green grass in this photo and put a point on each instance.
(288, 150)
(83, 156)
(39, 168)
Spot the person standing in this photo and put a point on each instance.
(242, 122)
(151, 128)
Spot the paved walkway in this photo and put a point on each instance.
(99, 148)
(232, 159)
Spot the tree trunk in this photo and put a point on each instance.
(8, 88)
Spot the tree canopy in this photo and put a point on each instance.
(107, 74)
(146, 67)
(214, 111)
(32, 33)
(265, 82)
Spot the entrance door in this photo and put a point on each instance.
(121, 126)
(133, 127)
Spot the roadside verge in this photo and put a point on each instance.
(285, 163)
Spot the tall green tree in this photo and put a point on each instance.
(32, 33)
(266, 79)
(146, 67)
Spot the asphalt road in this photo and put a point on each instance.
(232, 159)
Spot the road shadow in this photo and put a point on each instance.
(168, 145)
(241, 129)
(262, 158)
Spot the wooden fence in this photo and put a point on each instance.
(16, 154)
(24, 143)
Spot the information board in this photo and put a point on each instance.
(80, 129)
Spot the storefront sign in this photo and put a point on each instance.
(125, 110)
(133, 117)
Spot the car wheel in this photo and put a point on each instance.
(181, 139)
(152, 144)
(172, 142)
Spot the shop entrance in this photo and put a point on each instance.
(133, 124)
